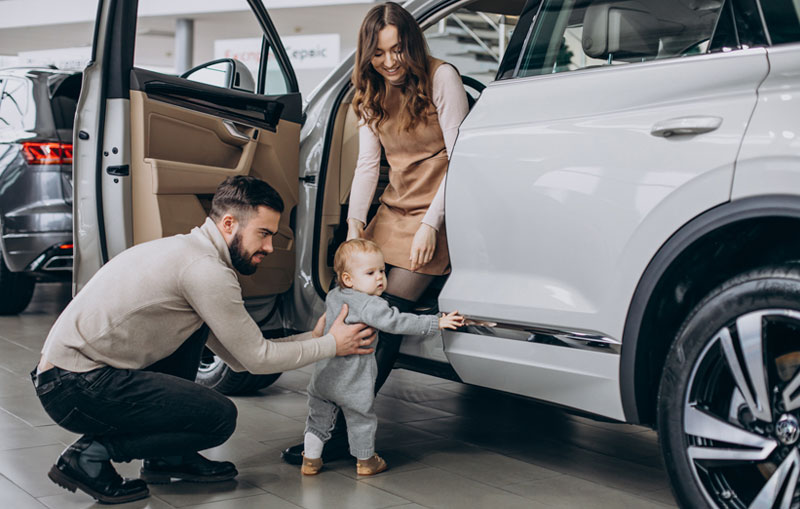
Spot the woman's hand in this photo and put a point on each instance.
(423, 246)
(355, 229)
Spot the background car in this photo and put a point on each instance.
(622, 204)
(37, 110)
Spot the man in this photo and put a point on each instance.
(117, 366)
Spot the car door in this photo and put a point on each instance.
(151, 147)
(619, 122)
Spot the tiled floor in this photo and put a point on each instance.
(447, 445)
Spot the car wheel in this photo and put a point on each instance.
(729, 400)
(215, 374)
(16, 290)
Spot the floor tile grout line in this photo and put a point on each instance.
(19, 345)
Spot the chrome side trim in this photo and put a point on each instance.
(533, 333)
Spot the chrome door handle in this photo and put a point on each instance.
(685, 125)
(234, 131)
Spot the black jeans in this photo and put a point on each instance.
(155, 412)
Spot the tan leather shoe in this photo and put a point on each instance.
(371, 466)
(311, 466)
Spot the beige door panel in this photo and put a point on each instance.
(277, 162)
(178, 158)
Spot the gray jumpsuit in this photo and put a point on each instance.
(349, 382)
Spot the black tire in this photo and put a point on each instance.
(16, 290)
(728, 404)
(215, 374)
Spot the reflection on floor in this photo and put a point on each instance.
(447, 445)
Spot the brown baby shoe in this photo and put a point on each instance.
(311, 466)
(371, 466)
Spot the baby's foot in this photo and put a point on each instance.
(311, 466)
(371, 466)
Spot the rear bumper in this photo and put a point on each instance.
(41, 253)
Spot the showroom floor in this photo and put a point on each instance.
(447, 445)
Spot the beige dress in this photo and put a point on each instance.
(418, 161)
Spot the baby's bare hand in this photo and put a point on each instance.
(451, 320)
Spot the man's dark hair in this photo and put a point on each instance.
(242, 196)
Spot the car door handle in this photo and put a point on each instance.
(685, 125)
(234, 131)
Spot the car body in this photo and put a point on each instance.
(622, 205)
(37, 108)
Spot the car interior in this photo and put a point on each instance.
(590, 33)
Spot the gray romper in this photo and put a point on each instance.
(349, 382)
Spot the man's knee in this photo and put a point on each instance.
(228, 414)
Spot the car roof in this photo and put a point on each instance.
(33, 72)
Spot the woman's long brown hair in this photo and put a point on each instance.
(370, 95)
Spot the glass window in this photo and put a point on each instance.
(576, 34)
(65, 102)
(783, 20)
(474, 41)
(14, 103)
(235, 33)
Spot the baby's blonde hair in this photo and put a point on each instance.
(346, 251)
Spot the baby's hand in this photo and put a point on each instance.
(451, 320)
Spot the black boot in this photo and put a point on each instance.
(386, 353)
(107, 486)
(389, 344)
(192, 467)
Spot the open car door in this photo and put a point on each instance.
(150, 148)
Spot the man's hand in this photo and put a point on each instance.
(353, 338)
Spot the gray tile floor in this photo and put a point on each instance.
(447, 445)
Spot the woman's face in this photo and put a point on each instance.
(387, 59)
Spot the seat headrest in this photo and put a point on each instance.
(625, 30)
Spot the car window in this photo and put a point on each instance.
(473, 40)
(234, 33)
(569, 35)
(65, 101)
(15, 107)
(783, 20)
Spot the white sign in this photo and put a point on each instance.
(63, 58)
(319, 51)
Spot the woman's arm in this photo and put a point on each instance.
(451, 105)
(365, 179)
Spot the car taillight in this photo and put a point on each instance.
(37, 152)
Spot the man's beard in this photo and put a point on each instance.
(242, 260)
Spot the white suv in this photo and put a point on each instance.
(622, 208)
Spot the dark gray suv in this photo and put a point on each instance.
(37, 112)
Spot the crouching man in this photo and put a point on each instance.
(119, 363)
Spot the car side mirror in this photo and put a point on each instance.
(225, 73)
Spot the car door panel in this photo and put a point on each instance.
(600, 193)
(182, 149)
(153, 148)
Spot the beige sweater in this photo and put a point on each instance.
(145, 302)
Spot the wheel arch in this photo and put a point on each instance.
(705, 252)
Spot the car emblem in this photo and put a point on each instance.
(787, 429)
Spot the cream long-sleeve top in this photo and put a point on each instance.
(144, 303)
(451, 105)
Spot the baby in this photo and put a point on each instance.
(349, 382)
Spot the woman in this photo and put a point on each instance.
(412, 105)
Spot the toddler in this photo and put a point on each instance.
(349, 382)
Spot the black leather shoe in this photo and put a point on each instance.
(335, 449)
(194, 468)
(108, 487)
